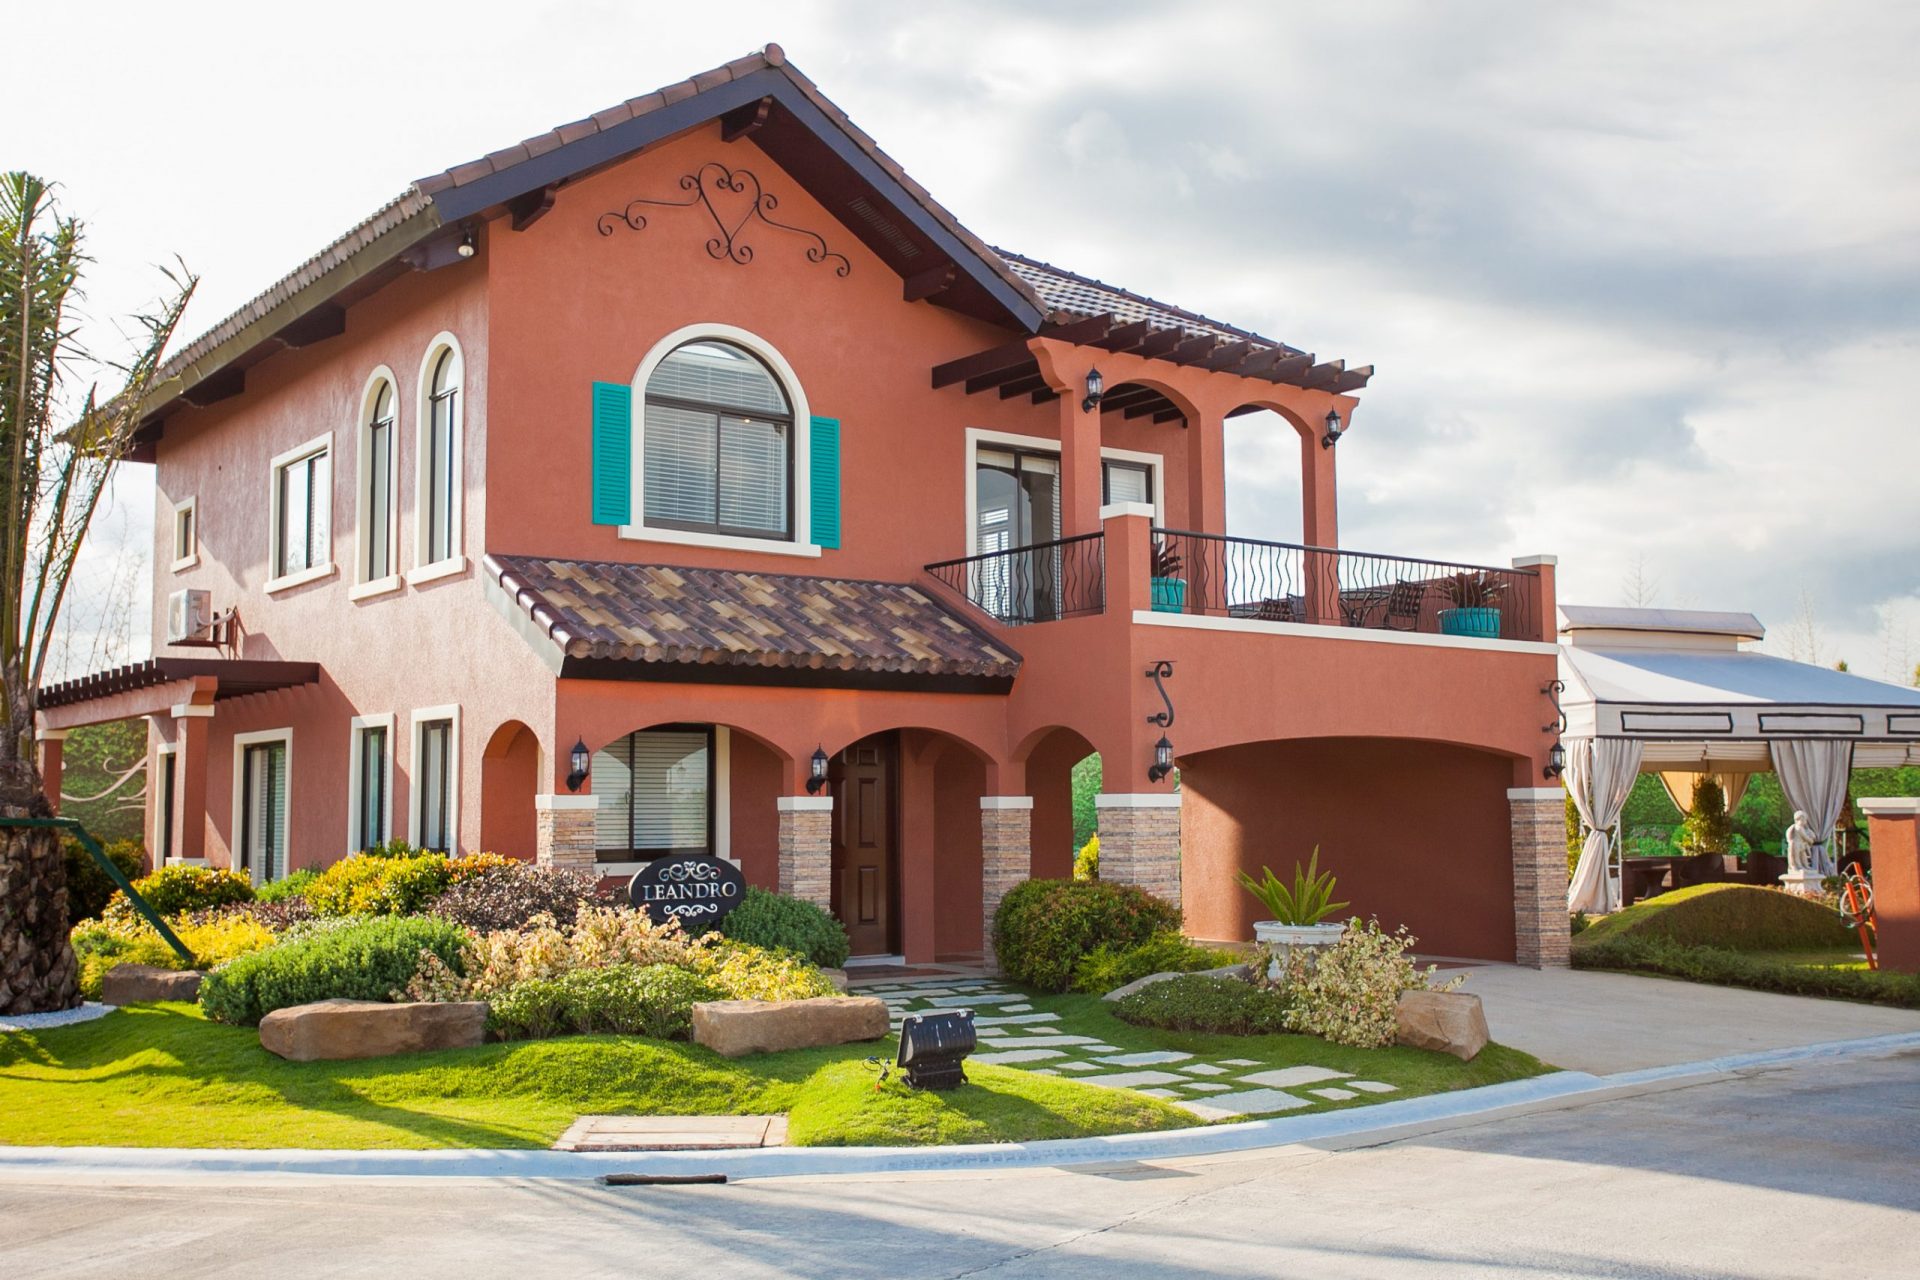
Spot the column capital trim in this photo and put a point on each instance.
(190, 710)
(1890, 806)
(50, 735)
(803, 804)
(1535, 562)
(561, 803)
(1536, 793)
(1006, 802)
(1137, 800)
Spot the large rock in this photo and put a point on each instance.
(1444, 1021)
(139, 983)
(735, 1028)
(330, 1030)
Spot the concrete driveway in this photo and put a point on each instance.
(1609, 1022)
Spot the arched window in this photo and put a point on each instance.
(440, 461)
(377, 429)
(718, 455)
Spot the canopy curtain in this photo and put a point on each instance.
(1600, 774)
(1681, 785)
(1814, 774)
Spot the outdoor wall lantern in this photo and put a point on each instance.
(1162, 760)
(1556, 761)
(466, 246)
(817, 771)
(1335, 429)
(579, 762)
(1096, 387)
(1557, 754)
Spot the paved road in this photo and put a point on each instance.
(1807, 1172)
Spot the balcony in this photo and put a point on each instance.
(1212, 575)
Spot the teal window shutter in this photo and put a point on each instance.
(612, 453)
(823, 474)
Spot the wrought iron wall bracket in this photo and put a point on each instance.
(1553, 689)
(1157, 673)
(711, 187)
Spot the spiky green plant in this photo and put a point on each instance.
(1308, 900)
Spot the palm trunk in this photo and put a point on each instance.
(37, 969)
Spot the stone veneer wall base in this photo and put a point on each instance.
(806, 854)
(1140, 845)
(1006, 858)
(1542, 938)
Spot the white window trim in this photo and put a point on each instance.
(192, 558)
(241, 741)
(722, 808)
(155, 837)
(798, 545)
(425, 571)
(362, 474)
(356, 839)
(319, 444)
(980, 437)
(420, 718)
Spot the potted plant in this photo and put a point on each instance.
(1298, 910)
(1476, 605)
(1169, 588)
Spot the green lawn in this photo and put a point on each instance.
(161, 1075)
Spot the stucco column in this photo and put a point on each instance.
(53, 745)
(1140, 841)
(1006, 857)
(1080, 479)
(1542, 937)
(1893, 832)
(191, 722)
(806, 848)
(1546, 617)
(563, 831)
(1207, 471)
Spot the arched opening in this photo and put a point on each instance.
(510, 776)
(1063, 777)
(1418, 834)
(1265, 494)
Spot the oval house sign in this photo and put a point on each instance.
(693, 888)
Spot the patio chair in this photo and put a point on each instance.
(1403, 605)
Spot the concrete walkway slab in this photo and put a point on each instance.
(1605, 1023)
(673, 1133)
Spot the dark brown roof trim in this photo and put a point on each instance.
(238, 678)
(780, 677)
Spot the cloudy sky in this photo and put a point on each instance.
(1641, 280)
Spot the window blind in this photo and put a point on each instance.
(718, 374)
(682, 465)
(436, 742)
(1129, 482)
(654, 789)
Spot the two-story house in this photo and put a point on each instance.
(687, 478)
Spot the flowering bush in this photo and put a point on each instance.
(742, 971)
(213, 938)
(621, 999)
(1348, 993)
(171, 890)
(510, 896)
(396, 879)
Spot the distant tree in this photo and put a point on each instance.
(1841, 665)
(1803, 636)
(1707, 828)
(1086, 786)
(1639, 588)
(58, 447)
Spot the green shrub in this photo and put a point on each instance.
(367, 960)
(1738, 916)
(1203, 1002)
(292, 885)
(1759, 973)
(1086, 863)
(380, 884)
(172, 890)
(632, 1000)
(1349, 993)
(1108, 967)
(775, 920)
(1044, 927)
(1707, 829)
(89, 889)
(212, 937)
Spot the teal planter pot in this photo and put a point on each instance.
(1170, 595)
(1481, 624)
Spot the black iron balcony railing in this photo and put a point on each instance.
(1218, 576)
(1044, 582)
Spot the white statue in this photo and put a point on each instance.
(1801, 841)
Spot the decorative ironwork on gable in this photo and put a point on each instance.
(715, 188)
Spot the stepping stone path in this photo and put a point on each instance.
(1012, 1034)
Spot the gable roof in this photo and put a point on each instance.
(621, 621)
(762, 94)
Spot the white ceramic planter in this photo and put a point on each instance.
(1285, 937)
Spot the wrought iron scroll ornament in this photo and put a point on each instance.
(1157, 672)
(1553, 689)
(714, 188)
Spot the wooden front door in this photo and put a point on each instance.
(863, 844)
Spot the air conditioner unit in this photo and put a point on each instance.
(189, 613)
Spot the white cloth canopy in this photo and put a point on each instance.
(1600, 775)
(1813, 774)
(1682, 784)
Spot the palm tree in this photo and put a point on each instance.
(56, 454)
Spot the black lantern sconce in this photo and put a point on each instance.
(1096, 388)
(579, 760)
(1162, 750)
(1556, 754)
(1335, 429)
(817, 771)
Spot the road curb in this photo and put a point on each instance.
(1381, 1122)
